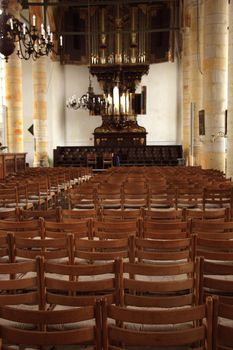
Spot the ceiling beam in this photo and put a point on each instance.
(73, 3)
(157, 30)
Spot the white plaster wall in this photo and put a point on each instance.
(55, 105)
(162, 120)
(79, 124)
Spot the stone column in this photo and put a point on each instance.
(215, 82)
(196, 75)
(40, 112)
(39, 77)
(13, 87)
(186, 82)
(230, 96)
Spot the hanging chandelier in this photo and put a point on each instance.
(96, 104)
(31, 42)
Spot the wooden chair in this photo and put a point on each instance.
(149, 285)
(9, 214)
(124, 328)
(24, 201)
(26, 290)
(82, 198)
(166, 250)
(164, 229)
(60, 248)
(114, 214)
(92, 250)
(67, 215)
(32, 228)
(216, 267)
(116, 228)
(46, 193)
(34, 194)
(52, 214)
(9, 198)
(107, 159)
(161, 197)
(158, 215)
(211, 228)
(214, 214)
(75, 285)
(54, 328)
(222, 325)
(91, 160)
(81, 228)
(217, 198)
(216, 280)
(5, 249)
(109, 196)
(189, 197)
(134, 195)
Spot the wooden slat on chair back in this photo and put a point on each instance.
(67, 215)
(214, 214)
(114, 214)
(157, 215)
(195, 336)
(85, 284)
(134, 195)
(216, 279)
(164, 249)
(116, 228)
(211, 228)
(53, 248)
(160, 285)
(222, 325)
(189, 196)
(161, 197)
(52, 214)
(109, 196)
(80, 334)
(16, 290)
(107, 249)
(30, 228)
(217, 197)
(165, 229)
(216, 267)
(81, 228)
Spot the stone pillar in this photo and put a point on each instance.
(186, 83)
(230, 96)
(196, 52)
(13, 86)
(39, 78)
(215, 82)
(40, 112)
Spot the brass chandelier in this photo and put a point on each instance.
(89, 101)
(31, 42)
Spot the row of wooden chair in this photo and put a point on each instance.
(103, 327)
(45, 284)
(59, 214)
(107, 326)
(37, 189)
(133, 196)
(217, 252)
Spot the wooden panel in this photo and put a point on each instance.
(141, 155)
(11, 163)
